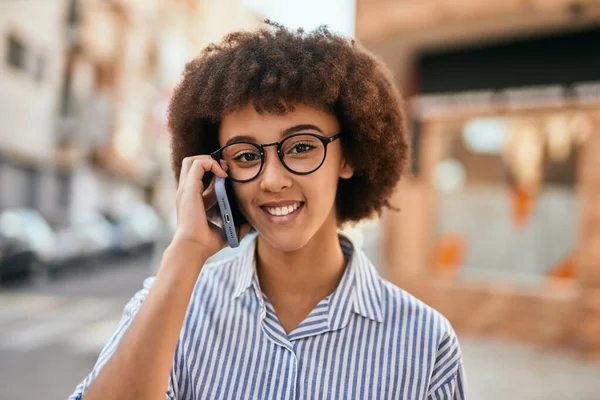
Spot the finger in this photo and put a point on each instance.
(224, 165)
(191, 191)
(199, 167)
(208, 164)
(186, 164)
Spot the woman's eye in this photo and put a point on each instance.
(301, 148)
(246, 157)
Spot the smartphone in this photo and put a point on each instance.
(229, 209)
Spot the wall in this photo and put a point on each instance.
(29, 104)
(588, 337)
(27, 107)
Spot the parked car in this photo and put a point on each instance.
(88, 239)
(28, 228)
(92, 237)
(16, 259)
(139, 229)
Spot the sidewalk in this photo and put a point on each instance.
(509, 371)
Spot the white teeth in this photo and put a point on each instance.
(280, 211)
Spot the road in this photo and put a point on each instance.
(52, 332)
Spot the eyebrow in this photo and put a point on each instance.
(284, 133)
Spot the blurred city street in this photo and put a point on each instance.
(54, 331)
(499, 224)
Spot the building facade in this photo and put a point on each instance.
(32, 43)
(84, 105)
(504, 102)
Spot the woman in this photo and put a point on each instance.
(309, 129)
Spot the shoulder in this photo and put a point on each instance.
(428, 336)
(427, 329)
(401, 307)
(220, 275)
(215, 276)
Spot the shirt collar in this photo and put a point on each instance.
(359, 291)
(246, 270)
(363, 283)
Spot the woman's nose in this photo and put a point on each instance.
(274, 177)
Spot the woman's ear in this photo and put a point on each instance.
(346, 169)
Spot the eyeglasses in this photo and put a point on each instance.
(301, 154)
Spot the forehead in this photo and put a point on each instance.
(266, 127)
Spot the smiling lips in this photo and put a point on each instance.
(281, 209)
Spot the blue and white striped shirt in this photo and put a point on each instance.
(367, 340)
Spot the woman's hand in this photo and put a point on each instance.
(192, 202)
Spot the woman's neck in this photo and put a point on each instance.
(296, 281)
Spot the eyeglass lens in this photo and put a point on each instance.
(299, 153)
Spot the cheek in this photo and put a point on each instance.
(322, 187)
(243, 194)
(331, 170)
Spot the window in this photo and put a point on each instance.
(17, 54)
(507, 201)
(19, 57)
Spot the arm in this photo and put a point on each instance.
(137, 362)
(454, 388)
(448, 380)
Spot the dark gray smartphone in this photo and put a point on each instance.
(229, 211)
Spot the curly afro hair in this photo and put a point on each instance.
(275, 68)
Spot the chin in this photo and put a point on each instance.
(286, 241)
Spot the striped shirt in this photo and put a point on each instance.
(367, 340)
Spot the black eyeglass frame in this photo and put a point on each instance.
(218, 154)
